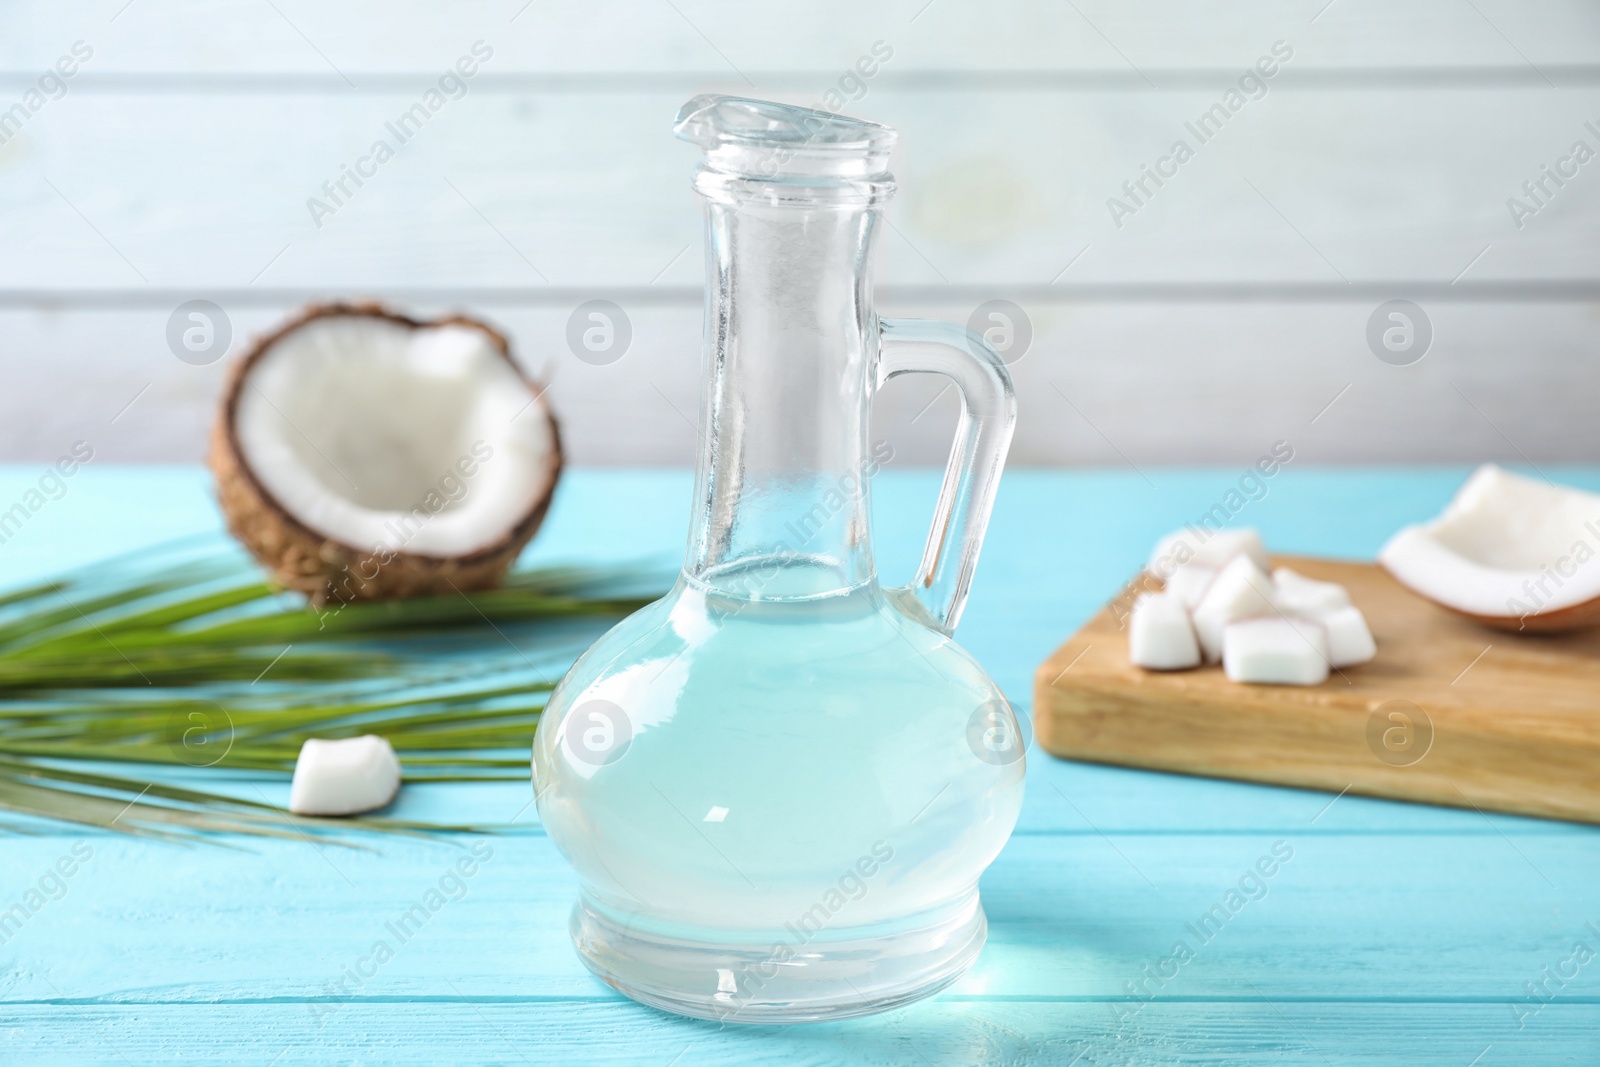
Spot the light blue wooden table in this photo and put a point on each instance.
(1395, 934)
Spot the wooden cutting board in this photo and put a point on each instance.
(1449, 712)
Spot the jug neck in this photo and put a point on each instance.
(782, 481)
(791, 346)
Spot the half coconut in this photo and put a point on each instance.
(363, 455)
(1511, 552)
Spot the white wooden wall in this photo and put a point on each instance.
(1229, 312)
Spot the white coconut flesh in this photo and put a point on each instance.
(379, 435)
(344, 777)
(1160, 634)
(1506, 546)
(1277, 629)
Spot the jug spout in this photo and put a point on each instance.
(765, 140)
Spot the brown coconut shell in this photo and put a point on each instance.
(322, 567)
(1563, 620)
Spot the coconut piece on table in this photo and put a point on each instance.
(1208, 548)
(1241, 590)
(362, 454)
(1160, 635)
(344, 777)
(1189, 582)
(1275, 651)
(1298, 595)
(1349, 640)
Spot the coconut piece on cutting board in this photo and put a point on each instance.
(345, 777)
(1160, 635)
(1349, 640)
(1511, 552)
(1299, 595)
(1275, 651)
(1189, 582)
(1207, 548)
(1241, 590)
(362, 454)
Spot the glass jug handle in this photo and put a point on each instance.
(988, 414)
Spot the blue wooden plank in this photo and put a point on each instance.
(949, 1031)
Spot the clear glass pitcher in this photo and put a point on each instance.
(779, 783)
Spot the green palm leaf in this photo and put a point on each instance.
(148, 662)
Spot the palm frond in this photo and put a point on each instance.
(181, 657)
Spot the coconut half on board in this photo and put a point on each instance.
(364, 455)
(1511, 552)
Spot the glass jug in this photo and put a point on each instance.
(779, 783)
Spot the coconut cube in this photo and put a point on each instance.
(1208, 548)
(1241, 590)
(1349, 640)
(1189, 582)
(1299, 595)
(1275, 651)
(344, 777)
(1160, 636)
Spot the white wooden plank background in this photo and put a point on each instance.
(1228, 313)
